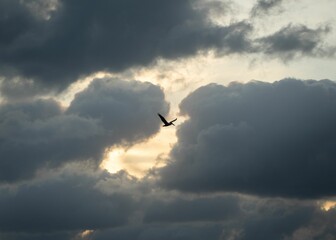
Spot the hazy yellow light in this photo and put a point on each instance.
(138, 159)
(114, 160)
(326, 206)
(68, 95)
(84, 235)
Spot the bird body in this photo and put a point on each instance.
(166, 123)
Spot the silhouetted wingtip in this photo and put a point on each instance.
(166, 123)
(163, 119)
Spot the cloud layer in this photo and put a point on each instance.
(275, 139)
(109, 112)
(255, 219)
(252, 161)
(263, 7)
(82, 37)
(68, 203)
(54, 44)
(296, 40)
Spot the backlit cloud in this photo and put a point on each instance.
(109, 112)
(82, 37)
(291, 41)
(74, 38)
(275, 139)
(263, 7)
(248, 160)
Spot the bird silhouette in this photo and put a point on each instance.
(166, 123)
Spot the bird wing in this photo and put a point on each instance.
(163, 119)
(173, 120)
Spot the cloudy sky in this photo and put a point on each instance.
(83, 155)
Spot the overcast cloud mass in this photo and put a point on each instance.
(263, 7)
(82, 37)
(78, 37)
(41, 134)
(253, 159)
(260, 138)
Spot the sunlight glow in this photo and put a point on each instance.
(138, 159)
(326, 206)
(85, 234)
(114, 163)
(68, 95)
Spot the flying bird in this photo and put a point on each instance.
(166, 123)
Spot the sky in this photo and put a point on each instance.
(84, 156)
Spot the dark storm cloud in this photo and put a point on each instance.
(274, 218)
(66, 202)
(280, 219)
(263, 7)
(110, 111)
(275, 139)
(15, 22)
(164, 232)
(125, 108)
(54, 44)
(39, 236)
(116, 206)
(18, 90)
(29, 142)
(296, 40)
(83, 36)
(256, 219)
(192, 210)
(322, 226)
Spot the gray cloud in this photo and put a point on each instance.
(56, 43)
(39, 236)
(126, 109)
(66, 202)
(30, 142)
(263, 7)
(63, 204)
(165, 232)
(280, 219)
(19, 90)
(257, 138)
(275, 139)
(274, 218)
(256, 219)
(82, 37)
(109, 112)
(296, 40)
(320, 227)
(192, 210)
